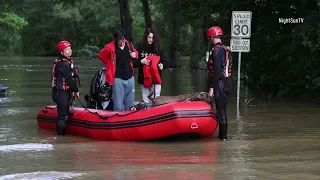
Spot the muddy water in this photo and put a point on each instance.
(269, 141)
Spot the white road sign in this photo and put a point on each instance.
(241, 24)
(240, 45)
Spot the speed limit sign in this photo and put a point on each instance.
(241, 24)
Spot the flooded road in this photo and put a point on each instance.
(270, 141)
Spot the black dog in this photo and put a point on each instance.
(100, 91)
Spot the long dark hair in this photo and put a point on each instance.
(155, 46)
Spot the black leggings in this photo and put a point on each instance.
(62, 99)
(221, 96)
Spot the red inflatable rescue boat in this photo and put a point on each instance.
(179, 118)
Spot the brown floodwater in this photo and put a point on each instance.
(266, 141)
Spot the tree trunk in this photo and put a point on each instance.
(174, 53)
(125, 16)
(196, 51)
(147, 15)
(175, 84)
(173, 19)
(197, 80)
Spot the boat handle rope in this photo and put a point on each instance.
(193, 126)
(96, 113)
(101, 116)
(116, 114)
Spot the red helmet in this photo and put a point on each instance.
(214, 31)
(63, 44)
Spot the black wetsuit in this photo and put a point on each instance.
(63, 97)
(222, 86)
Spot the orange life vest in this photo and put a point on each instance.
(151, 72)
(73, 70)
(227, 64)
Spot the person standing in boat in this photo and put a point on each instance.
(153, 61)
(65, 84)
(219, 64)
(117, 57)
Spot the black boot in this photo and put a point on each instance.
(62, 126)
(223, 128)
(219, 131)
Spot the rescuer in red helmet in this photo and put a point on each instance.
(219, 66)
(65, 84)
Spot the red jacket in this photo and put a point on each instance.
(108, 56)
(151, 72)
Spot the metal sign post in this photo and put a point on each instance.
(240, 30)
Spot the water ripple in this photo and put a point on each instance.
(26, 147)
(48, 175)
(12, 111)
